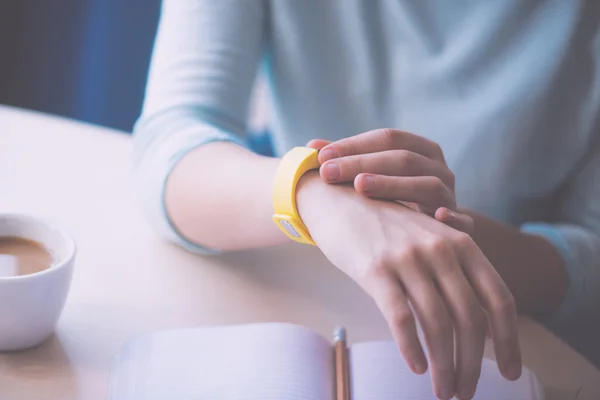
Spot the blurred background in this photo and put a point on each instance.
(87, 60)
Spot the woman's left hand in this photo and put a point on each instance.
(394, 165)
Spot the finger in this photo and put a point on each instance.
(469, 324)
(427, 191)
(381, 140)
(390, 163)
(391, 300)
(317, 144)
(436, 322)
(498, 304)
(458, 221)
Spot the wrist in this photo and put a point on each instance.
(521, 260)
(308, 192)
(315, 199)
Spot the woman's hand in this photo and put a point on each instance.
(394, 165)
(414, 266)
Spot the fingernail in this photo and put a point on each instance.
(368, 183)
(466, 394)
(327, 154)
(446, 393)
(451, 213)
(419, 367)
(332, 171)
(514, 370)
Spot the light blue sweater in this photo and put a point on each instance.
(509, 89)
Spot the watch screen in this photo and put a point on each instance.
(289, 228)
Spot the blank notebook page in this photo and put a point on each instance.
(378, 372)
(266, 362)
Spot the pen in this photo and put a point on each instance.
(342, 379)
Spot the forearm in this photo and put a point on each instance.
(219, 196)
(531, 266)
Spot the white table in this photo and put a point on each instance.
(128, 281)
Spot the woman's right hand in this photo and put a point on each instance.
(414, 266)
(401, 166)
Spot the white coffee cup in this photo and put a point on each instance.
(30, 305)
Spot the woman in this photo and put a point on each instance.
(503, 94)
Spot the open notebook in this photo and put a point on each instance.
(278, 362)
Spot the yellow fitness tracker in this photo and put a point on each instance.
(293, 165)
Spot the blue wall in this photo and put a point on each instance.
(117, 45)
(84, 59)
